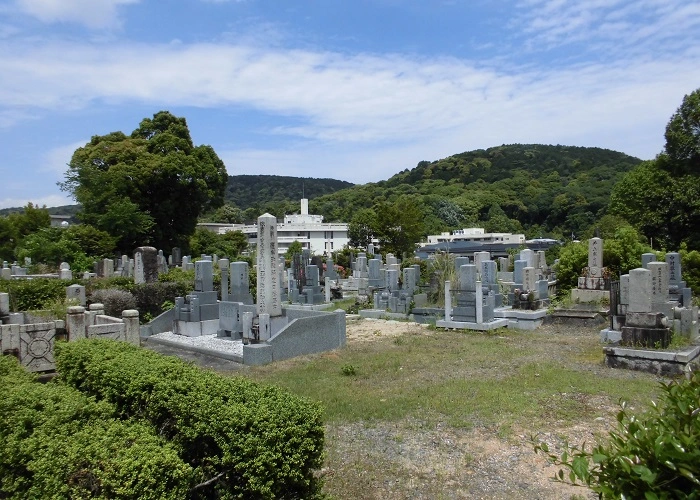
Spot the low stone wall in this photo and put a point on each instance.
(669, 363)
(308, 332)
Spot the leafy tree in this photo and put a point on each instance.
(624, 251)
(8, 239)
(573, 257)
(230, 244)
(227, 213)
(295, 248)
(48, 247)
(662, 197)
(361, 228)
(90, 240)
(31, 219)
(399, 226)
(498, 222)
(683, 136)
(149, 187)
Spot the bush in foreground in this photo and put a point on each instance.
(655, 456)
(58, 443)
(242, 439)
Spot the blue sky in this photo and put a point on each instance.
(354, 89)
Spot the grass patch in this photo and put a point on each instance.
(465, 379)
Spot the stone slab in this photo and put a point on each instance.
(589, 296)
(196, 328)
(463, 325)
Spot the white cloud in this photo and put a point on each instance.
(94, 14)
(55, 161)
(609, 27)
(53, 200)
(359, 98)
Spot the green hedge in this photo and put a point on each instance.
(34, 294)
(258, 441)
(58, 443)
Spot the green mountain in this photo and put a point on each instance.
(259, 191)
(535, 188)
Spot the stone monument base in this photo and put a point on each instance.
(669, 363)
(583, 296)
(196, 328)
(521, 319)
(464, 325)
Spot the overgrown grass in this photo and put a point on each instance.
(463, 379)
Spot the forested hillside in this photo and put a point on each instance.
(251, 191)
(553, 190)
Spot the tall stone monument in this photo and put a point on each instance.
(269, 298)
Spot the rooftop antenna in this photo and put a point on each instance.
(302, 189)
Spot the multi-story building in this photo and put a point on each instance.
(475, 234)
(308, 229)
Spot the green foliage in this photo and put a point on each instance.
(150, 297)
(28, 295)
(561, 189)
(258, 442)
(623, 251)
(18, 225)
(399, 226)
(690, 266)
(683, 136)
(90, 240)
(573, 257)
(662, 197)
(349, 370)
(58, 443)
(295, 248)
(653, 456)
(79, 245)
(131, 186)
(230, 244)
(441, 269)
(228, 213)
(247, 191)
(362, 228)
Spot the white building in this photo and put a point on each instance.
(476, 234)
(309, 230)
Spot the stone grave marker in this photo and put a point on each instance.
(646, 258)
(76, 292)
(64, 271)
(639, 291)
(269, 300)
(147, 269)
(224, 269)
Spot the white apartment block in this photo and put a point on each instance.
(308, 229)
(476, 234)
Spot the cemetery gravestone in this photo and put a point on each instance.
(269, 300)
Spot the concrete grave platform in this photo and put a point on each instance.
(670, 363)
(463, 325)
(522, 319)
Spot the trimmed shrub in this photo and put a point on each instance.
(58, 443)
(35, 294)
(115, 301)
(151, 296)
(253, 441)
(108, 459)
(654, 456)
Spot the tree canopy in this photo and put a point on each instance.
(149, 187)
(661, 198)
